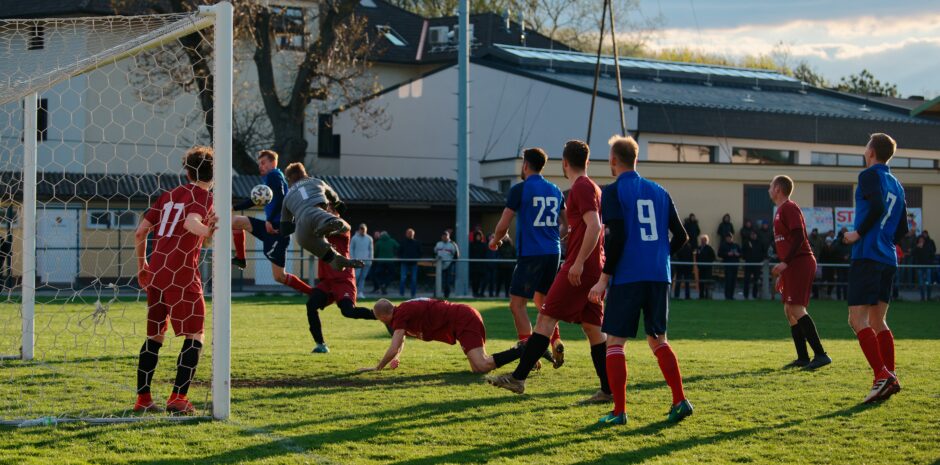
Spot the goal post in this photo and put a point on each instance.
(95, 116)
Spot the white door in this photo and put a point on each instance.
(56, 240)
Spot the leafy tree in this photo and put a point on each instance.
(864, 83)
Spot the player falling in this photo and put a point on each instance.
(539, 205)
(334, 287)
(274, 244)
(795, 274)
(307, 212)
(442, 321)
(639, 215)
(567, 300)
(880, 223)
(181, 220)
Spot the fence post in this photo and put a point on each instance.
(765, 279)
(438, 269)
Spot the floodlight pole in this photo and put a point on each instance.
(463, 150)
(30, 147)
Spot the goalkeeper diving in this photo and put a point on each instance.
(305, 214)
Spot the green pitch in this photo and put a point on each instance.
(290, 406)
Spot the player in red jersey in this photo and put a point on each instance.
(567, 300)
(337, 287)
(180, 219)
(442, 321)
(795, 274)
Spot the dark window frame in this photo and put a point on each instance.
(712, 153)
(761, 161)
(828, 195)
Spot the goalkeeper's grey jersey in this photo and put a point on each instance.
(303, 198)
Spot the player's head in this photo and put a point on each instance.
(533, 160)
(575, 156)
(198, 163)
(383, 310)
(880, 149)
(623, 154)
(781, 187)
(410, 233)
(267, 161)
(295, 172)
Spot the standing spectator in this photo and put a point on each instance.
(705, 257)
(932, 252)
(829, 257)
(478, 250)
(746, 231)
(491, 278)
(691, 226)
(922, 256)
(504, 270)
(816, 242)
(730, 253)
(843, 252)
(446, 251)
(725, 229)
(374, 272)
(754, 254)
(360, 248)
(766, 236)
(683, 272)
(908, 275)
(410, 251)
(386, 247)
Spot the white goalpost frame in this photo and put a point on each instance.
(221, 17)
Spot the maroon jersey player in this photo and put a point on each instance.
(180, 220)
(795, 274)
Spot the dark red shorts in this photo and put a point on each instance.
(337, 290)
(185, 310)
(797, 281)
(470, 332)
(569, 303)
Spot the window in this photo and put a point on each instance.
(763, 156)
(757, 204)
(99, 219)
(106, 219)
(683, 153)
(836, 159)
(394, 37)
(327, 142)
(125, 219)
(42, 120)
(505, 185)
(914, 196)
(10, 216)
(907, 162)
(37, 37)
(289, 30)
(833, 195)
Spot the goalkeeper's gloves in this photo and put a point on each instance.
(339, 207)
(286, 228)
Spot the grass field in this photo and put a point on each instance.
(290, 406)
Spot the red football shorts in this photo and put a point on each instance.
(338, 289)
(566, 302)
(469, 329)
(797, 281)
(185, 310)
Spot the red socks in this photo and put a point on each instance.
(669, 365)
(869, 343)
(297, 284)
(555, 336)
(617, 377)
(238, 236)
(886, 348)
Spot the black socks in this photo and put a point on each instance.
(186, 366)
(147, 364)
(534, 348)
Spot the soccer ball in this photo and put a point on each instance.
(261, 195)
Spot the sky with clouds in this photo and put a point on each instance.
(898, 41)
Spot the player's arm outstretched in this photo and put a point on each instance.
(392, 354)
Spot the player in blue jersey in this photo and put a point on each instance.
(275, 245)
(538, 206)
(639, 215)
(880, 223)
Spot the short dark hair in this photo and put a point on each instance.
(198, 163)
(576, 153)
(536, 158)
(624, 148)
(784, 183)
(883, 145)
(269, 154)
(295, 172)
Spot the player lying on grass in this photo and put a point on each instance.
(439, 320)
(275, 245)
(334, 287)
(567, 300)
(307, 213)
(181, 220)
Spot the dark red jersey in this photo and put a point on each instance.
(583, 197)
(174, 260)
(325, 272)
(790, 218)
(434, 320)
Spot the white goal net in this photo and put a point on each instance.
(95, 117)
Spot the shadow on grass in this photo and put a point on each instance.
(343, 382)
